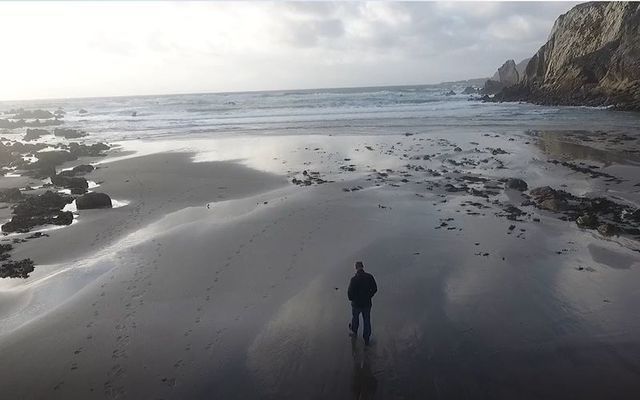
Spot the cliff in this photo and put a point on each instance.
(592, 57)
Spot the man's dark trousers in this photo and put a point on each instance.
(366, 320)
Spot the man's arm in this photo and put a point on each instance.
(350, 290)
(374, 286)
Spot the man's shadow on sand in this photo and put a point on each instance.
(364, 383)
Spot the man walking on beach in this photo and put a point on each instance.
(361, 289)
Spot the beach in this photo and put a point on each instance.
(222, 271)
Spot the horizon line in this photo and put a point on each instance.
(235, 91)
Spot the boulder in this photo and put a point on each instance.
(93, 200)
(516, 184)
(82, 111)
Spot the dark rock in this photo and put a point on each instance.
(17, 269)
(47, 161)
(516, 184)
(450, 93)
(8, 124)
(93, 200)
(32, 114)
(497, 151)
(33, 134)
(555, 205)
(69, 133)
(42, 204)
(82, 111)
(69, 182)
(587, 221)
(38, 210)
(78, 190)
(82, 150)
(83, 169)
(607, 229)
(63, 218)
(12, 195)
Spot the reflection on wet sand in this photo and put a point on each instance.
(560, 144)
(364, 383)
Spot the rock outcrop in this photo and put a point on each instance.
(39, 210)
(592, 58)
(509, 74)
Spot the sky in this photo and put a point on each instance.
(90, 49)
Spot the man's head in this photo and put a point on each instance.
(359, 265)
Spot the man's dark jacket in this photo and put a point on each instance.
(361, 289)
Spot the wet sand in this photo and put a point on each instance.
(221, 279)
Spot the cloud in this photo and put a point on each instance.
(123, 48)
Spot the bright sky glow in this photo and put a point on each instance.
(80, 49)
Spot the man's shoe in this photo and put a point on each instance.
(367, 342)
(351, 332)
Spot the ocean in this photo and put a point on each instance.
(373, 110)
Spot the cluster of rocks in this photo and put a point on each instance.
(21, 113)
(35, 133)
(47, 162)
(17, 269)
(21, 123)
(30, 211)
(68, 133)
(309, 178)
(600, 213)
(39, 210)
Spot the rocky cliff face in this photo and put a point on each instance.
(592, 58)
(507, 75)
